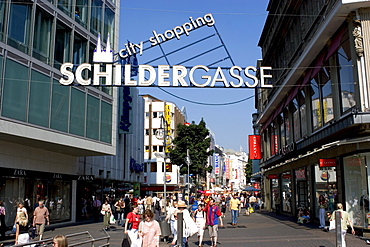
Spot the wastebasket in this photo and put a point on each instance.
(165, 227)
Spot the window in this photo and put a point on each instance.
(327, 94)
(65, 6)
(15, 91)
(42, 36)
(96, 16)
(155, 114)
(79, 50)
(77, 117)
(286, 191)
(346, 83)
(146, 148)
(62, 44)
(155, 148)
(59, 107)
(108, 25)
(106, 122)
(2, 19)
(274, 141)
(316, 105)
(287, 128)
(296, 120)
(147, 132)
(39, 102)
(19, 26)
(282, 131)
(302, 111)
(160, 149)
(81, 11)
(92, 117)
(146, 114)
(153, 167)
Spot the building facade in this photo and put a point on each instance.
(161, 119)
(314, 122)
(45, 126)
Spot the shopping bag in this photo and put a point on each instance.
(251, 210)
(102, 212)
(126, 241)
(332, 225)
(14, 229)
(112, 220)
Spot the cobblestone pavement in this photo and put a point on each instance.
(259, 229)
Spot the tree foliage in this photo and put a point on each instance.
(248, 171)
(194, 137)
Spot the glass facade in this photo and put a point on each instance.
(42, 36)
(19, 26)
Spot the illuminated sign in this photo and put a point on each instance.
(327, 162)
(255, 147)
(105, 73)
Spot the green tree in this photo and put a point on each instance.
(248, 171)
(194, 137)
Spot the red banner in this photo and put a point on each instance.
(273, 176)
(255, 147)
(328, 162)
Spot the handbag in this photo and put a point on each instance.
(102, 212)
(126, 241)
(332, 225)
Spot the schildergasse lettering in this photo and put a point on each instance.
(200, 76)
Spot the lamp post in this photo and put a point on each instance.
(188, 163)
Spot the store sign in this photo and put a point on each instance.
(217, 165)
(272, 176)
(136, 167)
(165, 75)
(300, 174)
(168, 119)
(327, 162)
(86, 177)
(287, 149)
(255, 147)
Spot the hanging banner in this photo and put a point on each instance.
(255, 147)
(217, 165)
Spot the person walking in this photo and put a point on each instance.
(40, 218)
(345, 221)
(171, 210)
(322, 209)
(2, 220)
(120, 207)
(149, 230)
(234, 209)
(200, 220)
(149, 203)
(107, 213)
(21, 235)
(21, 209)
(133, 218)
(213, 218)
(96, 208)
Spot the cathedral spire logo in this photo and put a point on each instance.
(101, 55)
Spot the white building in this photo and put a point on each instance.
(158, 116)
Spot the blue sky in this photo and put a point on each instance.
(239, 22)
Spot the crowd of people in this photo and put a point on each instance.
(140, 215)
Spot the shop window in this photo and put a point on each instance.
(345, 71)
(42, 36)
(62, 45)
(275, 189)
(356, 187)
(326, 185)
(19, 25)
(286, 192)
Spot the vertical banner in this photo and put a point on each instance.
(255, 147)
(167, 118)
(217, 165)
(227, 168)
